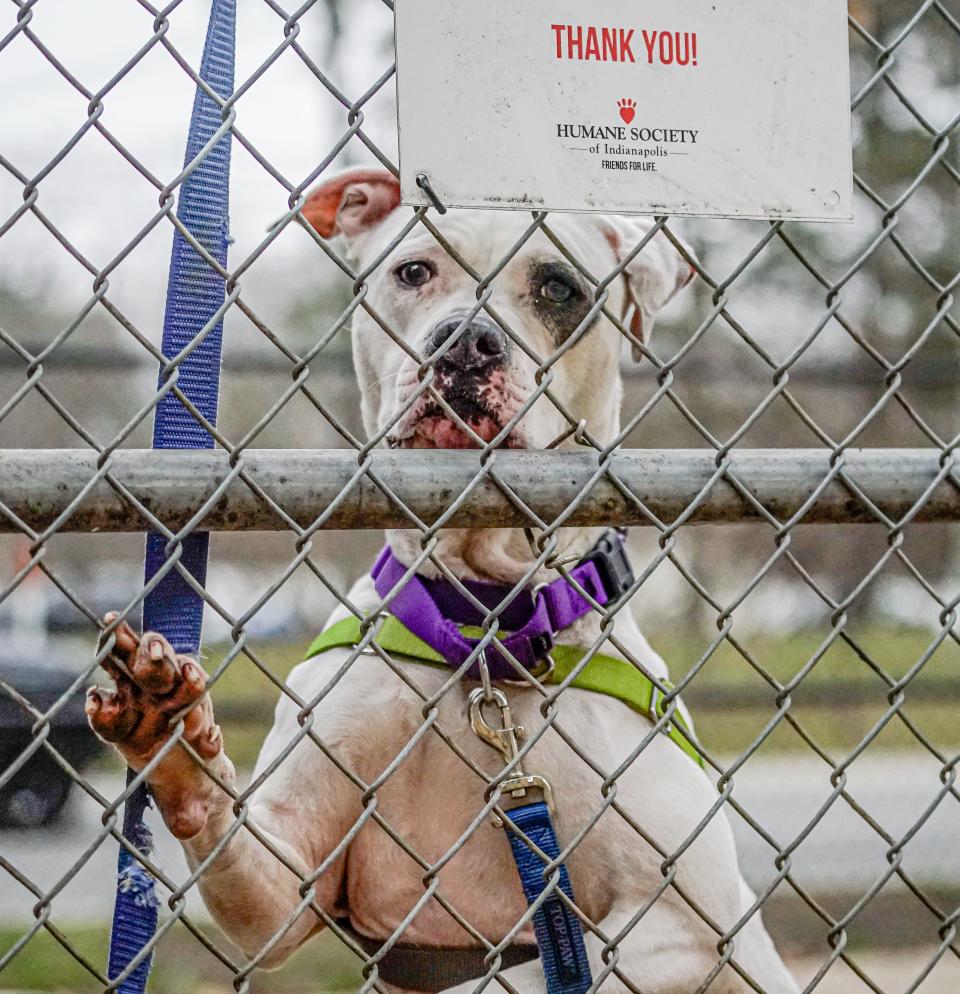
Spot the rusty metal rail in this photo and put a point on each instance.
(38, 487)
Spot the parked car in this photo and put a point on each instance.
(37, 791)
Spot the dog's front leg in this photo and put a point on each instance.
(247, 888)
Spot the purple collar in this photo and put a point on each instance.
(433, 609)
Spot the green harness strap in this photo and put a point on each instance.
(602, 674)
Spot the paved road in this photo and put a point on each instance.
(842, 853)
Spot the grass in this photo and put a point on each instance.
(841, 699)
(182, 964)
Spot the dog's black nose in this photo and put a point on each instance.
(480, 345)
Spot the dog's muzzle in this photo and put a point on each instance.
(469, 399)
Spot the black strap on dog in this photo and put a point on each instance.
(432, 969)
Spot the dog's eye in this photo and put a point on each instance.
(414, 273)
(557, 291)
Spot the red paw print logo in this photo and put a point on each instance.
(628, 109)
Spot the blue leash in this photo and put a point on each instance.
(559, 933)
(195, 292)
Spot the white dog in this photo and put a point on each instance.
(307, 805)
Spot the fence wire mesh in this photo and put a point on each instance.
(820, 661)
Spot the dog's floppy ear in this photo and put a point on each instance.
(352, 202)
(653, 276)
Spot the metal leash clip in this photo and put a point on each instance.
(506, 740)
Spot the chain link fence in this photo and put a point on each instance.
(786, 455)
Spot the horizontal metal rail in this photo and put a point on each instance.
(39, 486)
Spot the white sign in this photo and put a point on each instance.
(726, 108)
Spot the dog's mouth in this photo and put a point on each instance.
(433, 428)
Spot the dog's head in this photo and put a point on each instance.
(485, 360)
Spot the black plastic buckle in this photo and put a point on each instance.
(541, 644)
(610, 557)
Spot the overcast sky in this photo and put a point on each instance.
(100, 202)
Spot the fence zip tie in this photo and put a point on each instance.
(195, 293)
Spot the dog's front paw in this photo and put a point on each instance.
(153, 684)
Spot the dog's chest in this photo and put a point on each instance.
(433, 835)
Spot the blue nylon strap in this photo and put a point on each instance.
(195, 292)
(558, 930)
